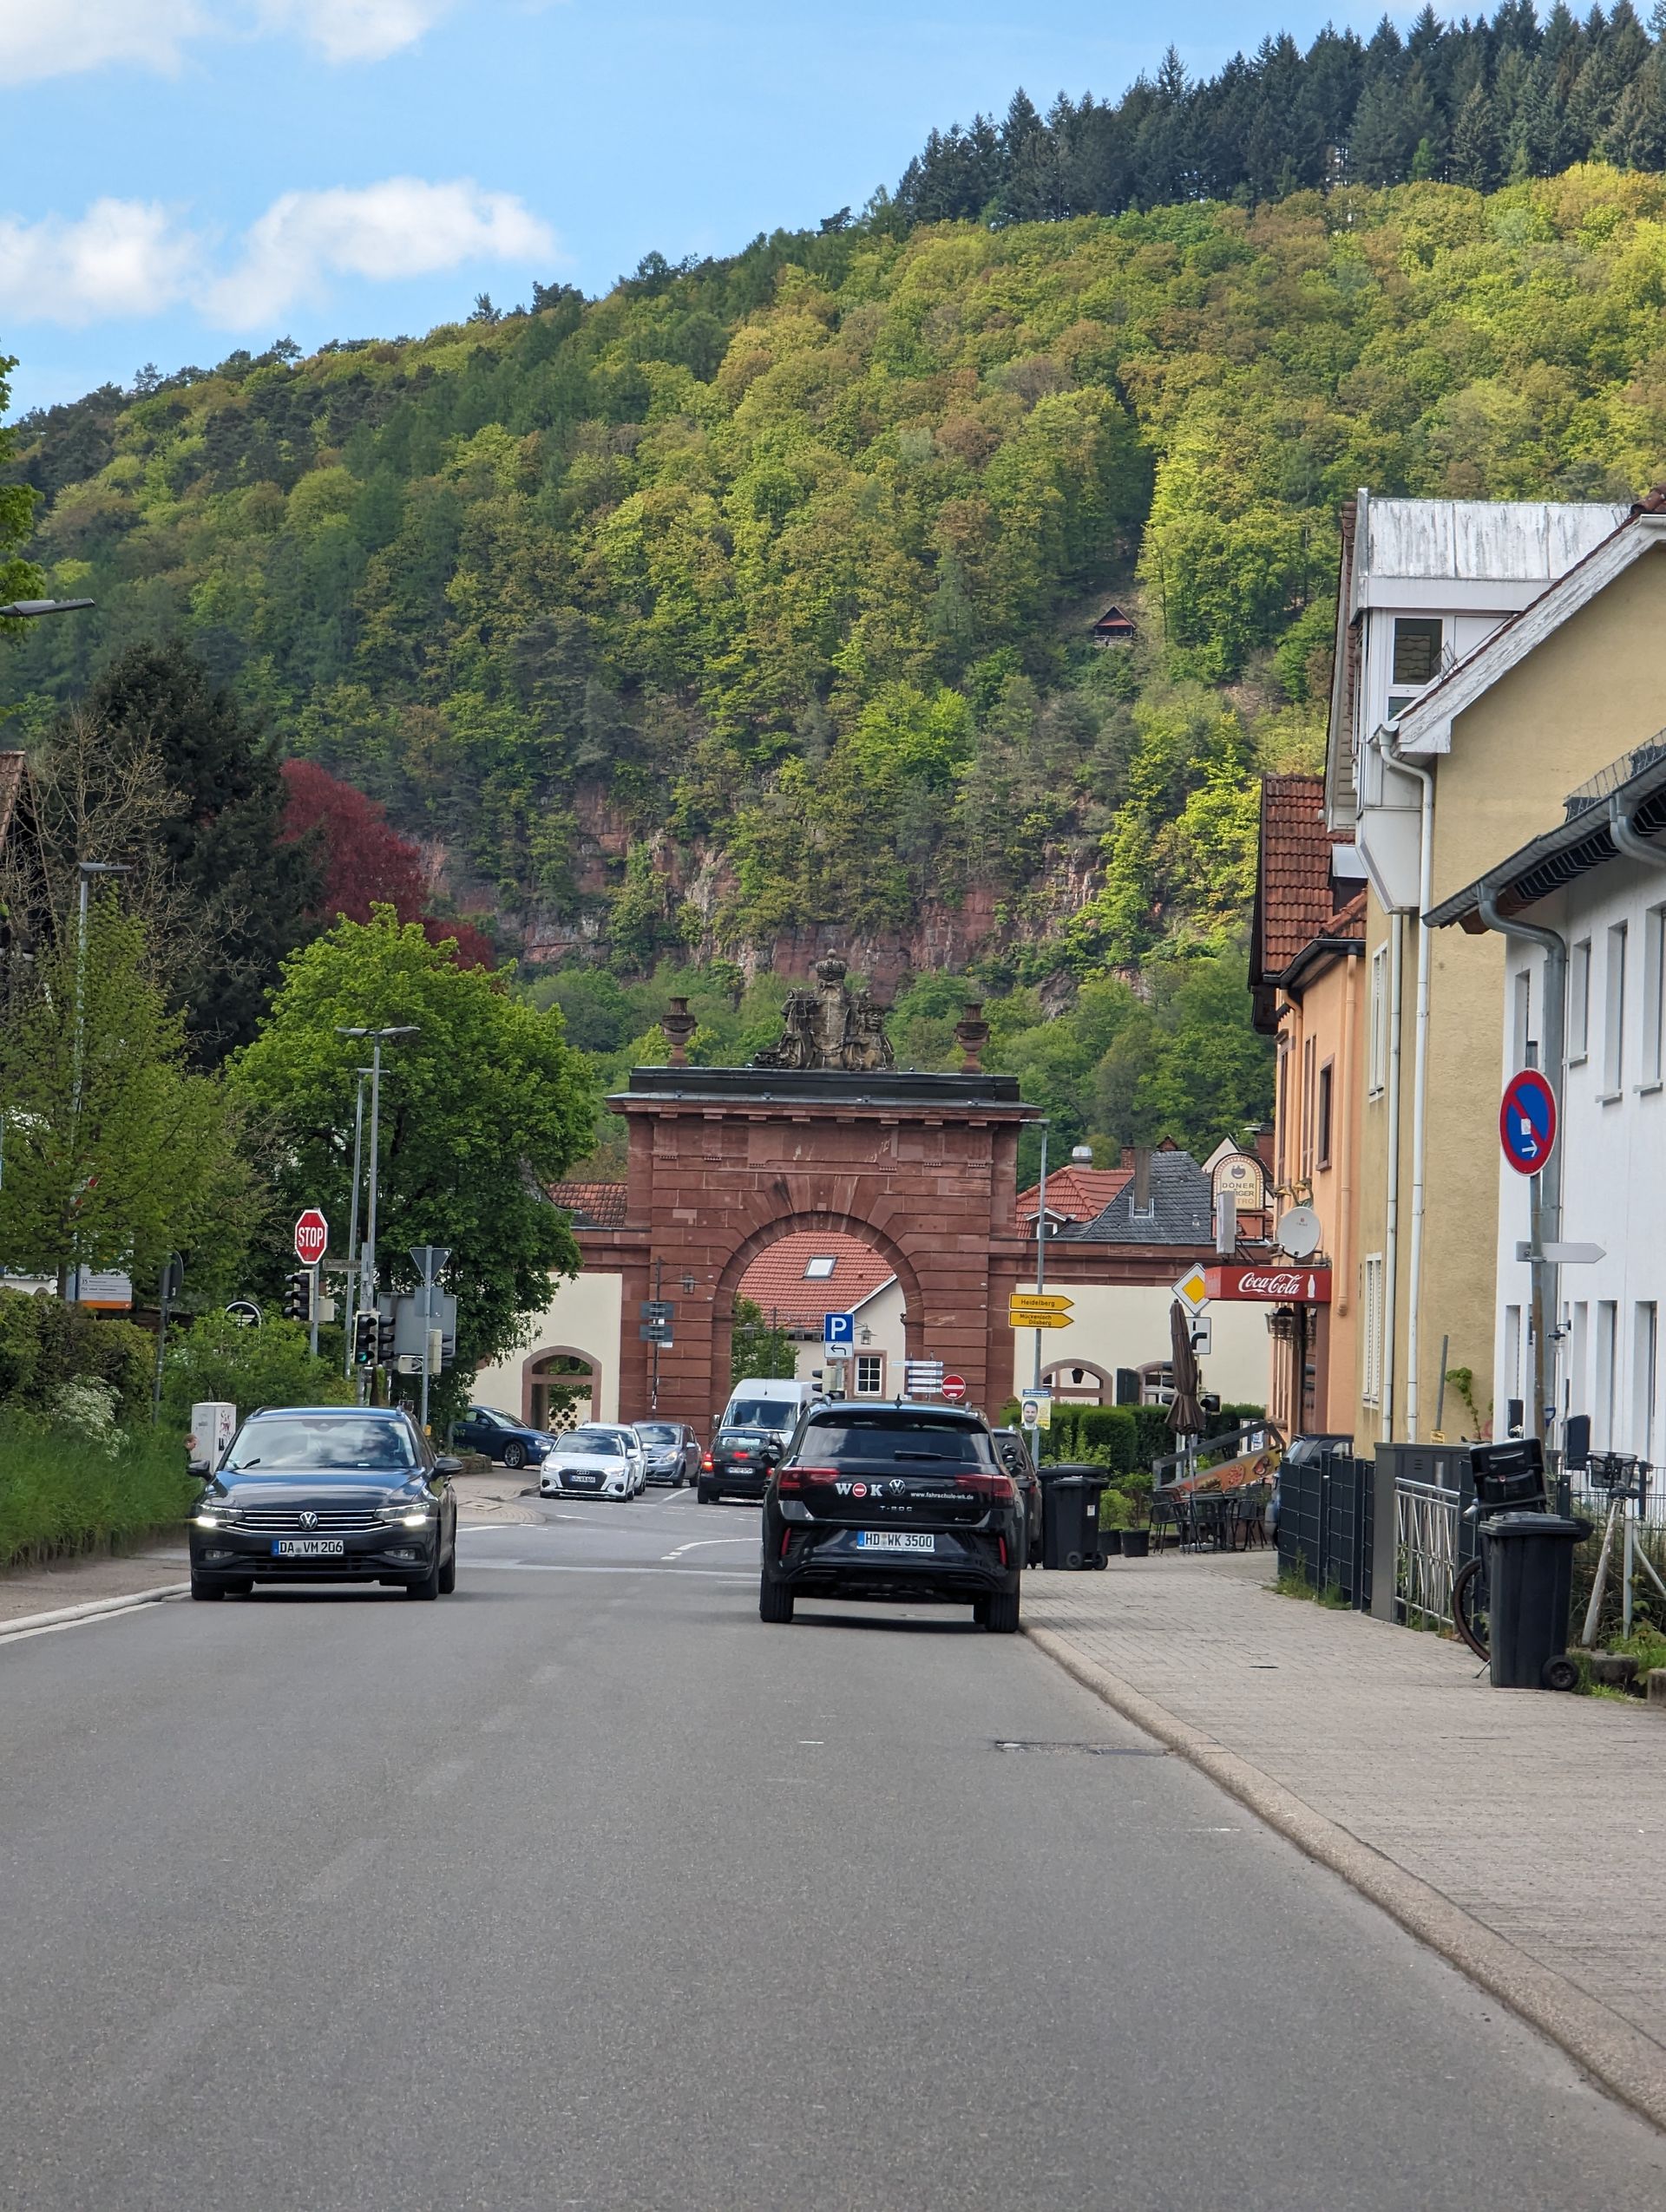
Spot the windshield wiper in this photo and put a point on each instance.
(920, 1455)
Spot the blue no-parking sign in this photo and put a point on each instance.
(1527, 1121)
(838, 1329)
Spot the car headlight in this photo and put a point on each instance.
(210, 1517)
(410, 1513)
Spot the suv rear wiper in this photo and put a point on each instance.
(941, 1456)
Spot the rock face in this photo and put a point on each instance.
(830, 1026)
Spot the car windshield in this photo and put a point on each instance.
(763, 1413)
(656, 1432)
(884, 1436)
(590, 1447)
(330, 1441)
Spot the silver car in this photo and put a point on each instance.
(671, 1450)
(595, 1461)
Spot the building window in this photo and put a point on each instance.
(1512, 1352)
(1521, 1020)
(1417, 649)
(1377, 1025)
(1322, 1134)
(1371, 1301)
(1579, 1000)
(870, 1374)
(1282, 1110)
(1644, 1377)
(1578, 1382)
(818, 1270)
(1654, 983)
(1309, 1051)
(1614, 1014)
(1602, 1409)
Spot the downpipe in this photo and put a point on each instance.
(1420, 1080)
(1391, 1222)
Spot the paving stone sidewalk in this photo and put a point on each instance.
(1543, 1817)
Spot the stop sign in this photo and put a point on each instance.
(312, 1237)
(954, 1388)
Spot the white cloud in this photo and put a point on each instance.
(124, 256)
(51, 38)
(401, 227)
(134, 257)
(355, 31)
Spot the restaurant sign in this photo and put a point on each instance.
(1270, 1286)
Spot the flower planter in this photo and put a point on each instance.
(1136, 1543)
(1110, 1541)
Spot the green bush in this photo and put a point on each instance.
(270, 1365)
(1114, 1510)
(1153, 1436)
(45, 1344)
(1233, 1416)
(58, 1498)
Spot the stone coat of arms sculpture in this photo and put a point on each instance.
(829, 1025)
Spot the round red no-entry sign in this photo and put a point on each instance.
(954, 1388)
(1527, 1121)
(312, 1237)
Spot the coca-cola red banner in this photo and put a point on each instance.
(1291, 1285)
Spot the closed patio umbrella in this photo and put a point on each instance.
(1185, 1414)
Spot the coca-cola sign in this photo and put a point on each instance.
(1285, 1286)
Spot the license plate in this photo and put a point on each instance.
(580, 1482)
(307, 1548)
(892, 1540)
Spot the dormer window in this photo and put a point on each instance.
(818, 1270)
(1418, 639)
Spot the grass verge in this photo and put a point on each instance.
(62, 1495)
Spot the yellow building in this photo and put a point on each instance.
(1489, 656)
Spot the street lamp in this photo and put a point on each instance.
(378, 1038)
(352, 1230)
(86, 870)
(26, 610)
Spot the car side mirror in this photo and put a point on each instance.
(448, 1466)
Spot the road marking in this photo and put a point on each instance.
(554, 1566)
(49, 1624)
(704, 1544)
(347, 1870)
(172, 2036)
(443, 1776)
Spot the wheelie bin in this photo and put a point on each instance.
(1529, 1579)
(1069, 1515)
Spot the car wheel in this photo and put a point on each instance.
(429, 1586)
(449, 1572)
(704, 1494)
(515, 1454)
(1000, 1613)
(774, 1601)
(201, 1587)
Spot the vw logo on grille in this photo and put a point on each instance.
(309, 1520)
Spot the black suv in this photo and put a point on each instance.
(905, 1502)
(737, 1465)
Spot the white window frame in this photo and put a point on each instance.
(1513, 1354)
(819, 1268)
(1603, 1406)
(1614, 1014)
(1521, 1022)
(1645, 1376)
(1578, 1002)
(1376, 1039)
(877, 1387)
(1654, 988)
(1371, 1330)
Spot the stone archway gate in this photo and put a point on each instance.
(723, 1160)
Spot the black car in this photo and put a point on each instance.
(739, 1465)
(904, 1501)
(672, 1451)
(502, 1438)
(327, 1493)
(1013, 1454)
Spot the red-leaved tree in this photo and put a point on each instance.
(365, 862)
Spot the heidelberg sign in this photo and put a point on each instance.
(1270, 1286)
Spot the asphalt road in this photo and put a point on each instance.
(582, 1888)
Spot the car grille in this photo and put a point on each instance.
(285, 1521)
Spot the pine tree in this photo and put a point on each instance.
(1379, 151)
(1475, 151)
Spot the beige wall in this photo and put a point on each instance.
(583, 1315)
(1127, 1325)
(1594, 689)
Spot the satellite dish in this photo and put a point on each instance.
(1299, 1232)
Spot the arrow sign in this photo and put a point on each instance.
(312, 1237)
(1527, 1121)
(1040, 1301)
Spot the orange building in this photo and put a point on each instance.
(1307, 986)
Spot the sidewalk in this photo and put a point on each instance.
(1541, 1819)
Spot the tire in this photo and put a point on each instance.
(202, 1588)
(1469, 1615)
(774, 1601)
(449, 1572)
(980, 1612)
(704, 1494)
(515, 1454)
(1560, 1673)
(1001, 1613)
(429, 1587)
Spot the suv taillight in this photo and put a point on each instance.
(794, 1479)
(998, 1489)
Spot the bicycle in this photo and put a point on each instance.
(1516, 1485)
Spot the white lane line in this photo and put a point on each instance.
(171, 2037)
(48, 1624)
(704, 1544)
(357, 1864)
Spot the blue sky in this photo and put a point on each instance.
(187, 176)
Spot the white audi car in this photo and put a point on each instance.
(596, 1460)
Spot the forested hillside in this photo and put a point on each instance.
(747, 607)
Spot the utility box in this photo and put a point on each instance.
(214, 1423)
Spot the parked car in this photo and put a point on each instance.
(906, 1501)
(1014, 1455)
(327, 1493)
(595, 1461)
(511, 1443)
(672, 1450)
(766, 1402)
(739, 1465)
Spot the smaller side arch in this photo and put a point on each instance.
(1080, 1382)
(532, 1360)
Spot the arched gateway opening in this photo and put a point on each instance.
(724, 1162)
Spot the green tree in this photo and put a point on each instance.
(481, 1111)
(758, 1348)
(19, 579)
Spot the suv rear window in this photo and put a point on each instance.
(883, 1437)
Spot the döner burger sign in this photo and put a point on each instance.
(1271, 1286)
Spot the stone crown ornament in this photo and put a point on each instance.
(829, 1025)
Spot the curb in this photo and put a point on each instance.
(1625, 2061)
(30, 1624)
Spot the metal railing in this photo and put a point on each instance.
(1426, 1531)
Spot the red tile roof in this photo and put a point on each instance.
(776, 1282)
(1078, 1193)
(1293, 894)
(601, 1204)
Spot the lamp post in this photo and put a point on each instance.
(378, 1038)
(350, 1301)
(86, 870)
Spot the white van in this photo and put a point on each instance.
(772, 1402)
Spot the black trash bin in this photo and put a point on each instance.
(1529, 1581)
(1069, 1515)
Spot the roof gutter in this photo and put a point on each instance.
(1629, 839)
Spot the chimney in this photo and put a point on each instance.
(1142, 1179)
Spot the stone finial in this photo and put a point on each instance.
(678, 1026)
(972, 1034)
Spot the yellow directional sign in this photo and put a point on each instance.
(1022, 1318)
(1048, 1301)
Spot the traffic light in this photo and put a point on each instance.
(384, 1339)
(364, 1339)
(298, 1296)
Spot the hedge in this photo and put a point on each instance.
(60, 1495)
(45, 1344)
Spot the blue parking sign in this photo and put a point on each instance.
(838, 1329)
